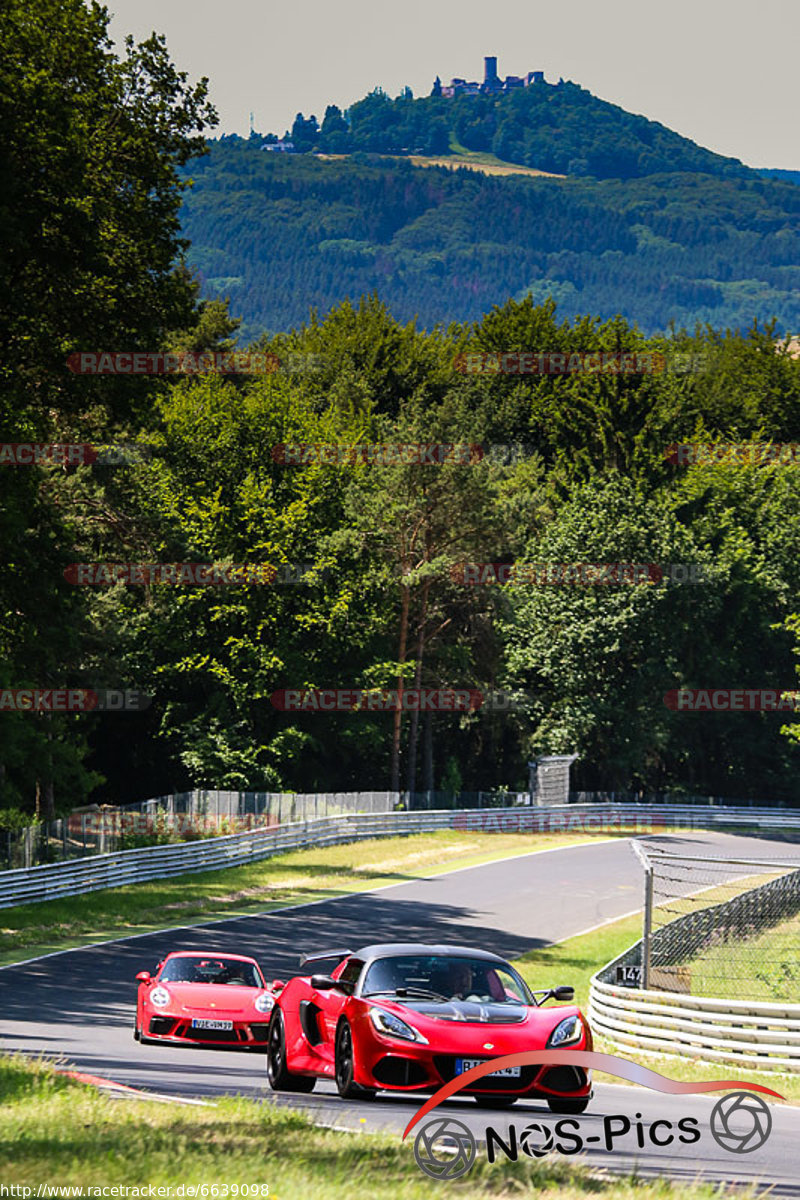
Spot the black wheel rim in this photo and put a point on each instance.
(275, 1056)
(345, 1063)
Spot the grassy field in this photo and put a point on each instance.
(766, 967)
(485, 163)
(476, 160)
(295, 878)
(56, 1131)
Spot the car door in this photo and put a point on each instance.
(330, 1002)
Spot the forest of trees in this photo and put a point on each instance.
(279, 234)
(96, 264)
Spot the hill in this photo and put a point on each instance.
(558, 128)
(280, 234)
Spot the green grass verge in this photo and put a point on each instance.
(577, 959)
(766, 967)
(56, 1131)
(295, 878)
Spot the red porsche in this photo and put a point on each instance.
(204, 1000)
(409, 1018)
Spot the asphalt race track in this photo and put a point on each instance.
(80, 1004)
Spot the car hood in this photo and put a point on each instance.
(538, 1023)
(216, 1000)
(477, 1013)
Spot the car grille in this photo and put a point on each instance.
(259, 1030)
(399, 1072)
(564, 1079)
(161, 1024)
(446, 1066)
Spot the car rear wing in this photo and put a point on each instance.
(324, 955)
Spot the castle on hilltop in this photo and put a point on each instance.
(492, 84)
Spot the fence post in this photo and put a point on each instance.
(647, 927)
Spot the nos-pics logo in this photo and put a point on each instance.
(445, 1148)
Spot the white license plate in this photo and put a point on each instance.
(212, 1024)
(466, 1064)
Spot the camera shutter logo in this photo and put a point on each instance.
(741, 1122)
(444, 1149)
(536, 1140)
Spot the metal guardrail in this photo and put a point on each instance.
(749, 1033)
(100, 871)
(649, 816)
(27, 885)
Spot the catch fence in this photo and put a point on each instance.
(716, 974)
(728, 928)
(179, 816)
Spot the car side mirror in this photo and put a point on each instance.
(277, 984)
(144, 977)
(323, 983)
(564, 994)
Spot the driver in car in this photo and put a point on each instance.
(461, 981)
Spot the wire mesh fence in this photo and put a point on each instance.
(180, 816)
(184, 816)
(722, 927)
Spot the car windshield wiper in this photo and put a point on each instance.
(409, 991)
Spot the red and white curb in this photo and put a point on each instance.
(123, 1091)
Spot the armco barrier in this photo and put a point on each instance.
(749, 1033)
(28, 885)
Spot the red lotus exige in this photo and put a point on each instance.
(204, 1000)
(409, 1018)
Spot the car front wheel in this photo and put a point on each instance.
(568, 1104)
(280, 1079)
(345, 1067)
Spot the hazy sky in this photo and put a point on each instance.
(723, 72)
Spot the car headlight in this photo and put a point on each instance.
(160, 996)
(264, 1003)
(391, 1026)
(567, 1031)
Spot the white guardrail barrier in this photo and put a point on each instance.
(748, 1033)
(96, 872)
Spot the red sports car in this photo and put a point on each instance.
(408, 1018)
(205, 1000)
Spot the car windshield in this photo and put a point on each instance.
(205, 969)
(445, 977)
